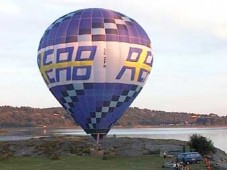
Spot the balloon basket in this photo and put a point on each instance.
(96, 152)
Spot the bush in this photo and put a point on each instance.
(201, 144)
(50, 149)
(5, 152)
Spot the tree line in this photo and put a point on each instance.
(133, 117)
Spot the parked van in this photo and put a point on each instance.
(189, 157)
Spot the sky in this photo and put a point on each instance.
(189, 41)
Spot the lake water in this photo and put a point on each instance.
(217, 135)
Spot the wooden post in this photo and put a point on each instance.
(97, 141)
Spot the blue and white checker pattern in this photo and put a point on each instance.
(96, 113)
(94, 25)
(109, 106)
(69, 96)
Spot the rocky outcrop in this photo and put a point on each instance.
(53, 147)
(81, 145)
(219, 159)
(141, 146)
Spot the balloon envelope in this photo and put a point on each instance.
(95, 62)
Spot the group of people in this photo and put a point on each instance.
(177, 165)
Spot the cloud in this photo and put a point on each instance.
(221, 32)
(9, 7)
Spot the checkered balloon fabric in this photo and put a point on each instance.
(96, 107)
(94, 25)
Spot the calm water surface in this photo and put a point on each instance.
(217, 135)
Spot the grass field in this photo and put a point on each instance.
(88, 163)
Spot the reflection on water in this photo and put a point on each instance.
(22, 133)
(217, 135)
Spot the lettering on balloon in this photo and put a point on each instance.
(104, 58)
(58, 65)
(139, 63)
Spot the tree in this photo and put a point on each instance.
(201, 144)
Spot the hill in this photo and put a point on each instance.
(133, 117)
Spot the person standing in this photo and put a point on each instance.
(164, 155)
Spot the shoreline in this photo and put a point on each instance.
(171, 126)
(7, 130)
(119, 146)
(119, 127)
(27, 133)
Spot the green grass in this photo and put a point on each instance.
(88, 163)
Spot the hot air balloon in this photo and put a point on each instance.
(95, 62)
